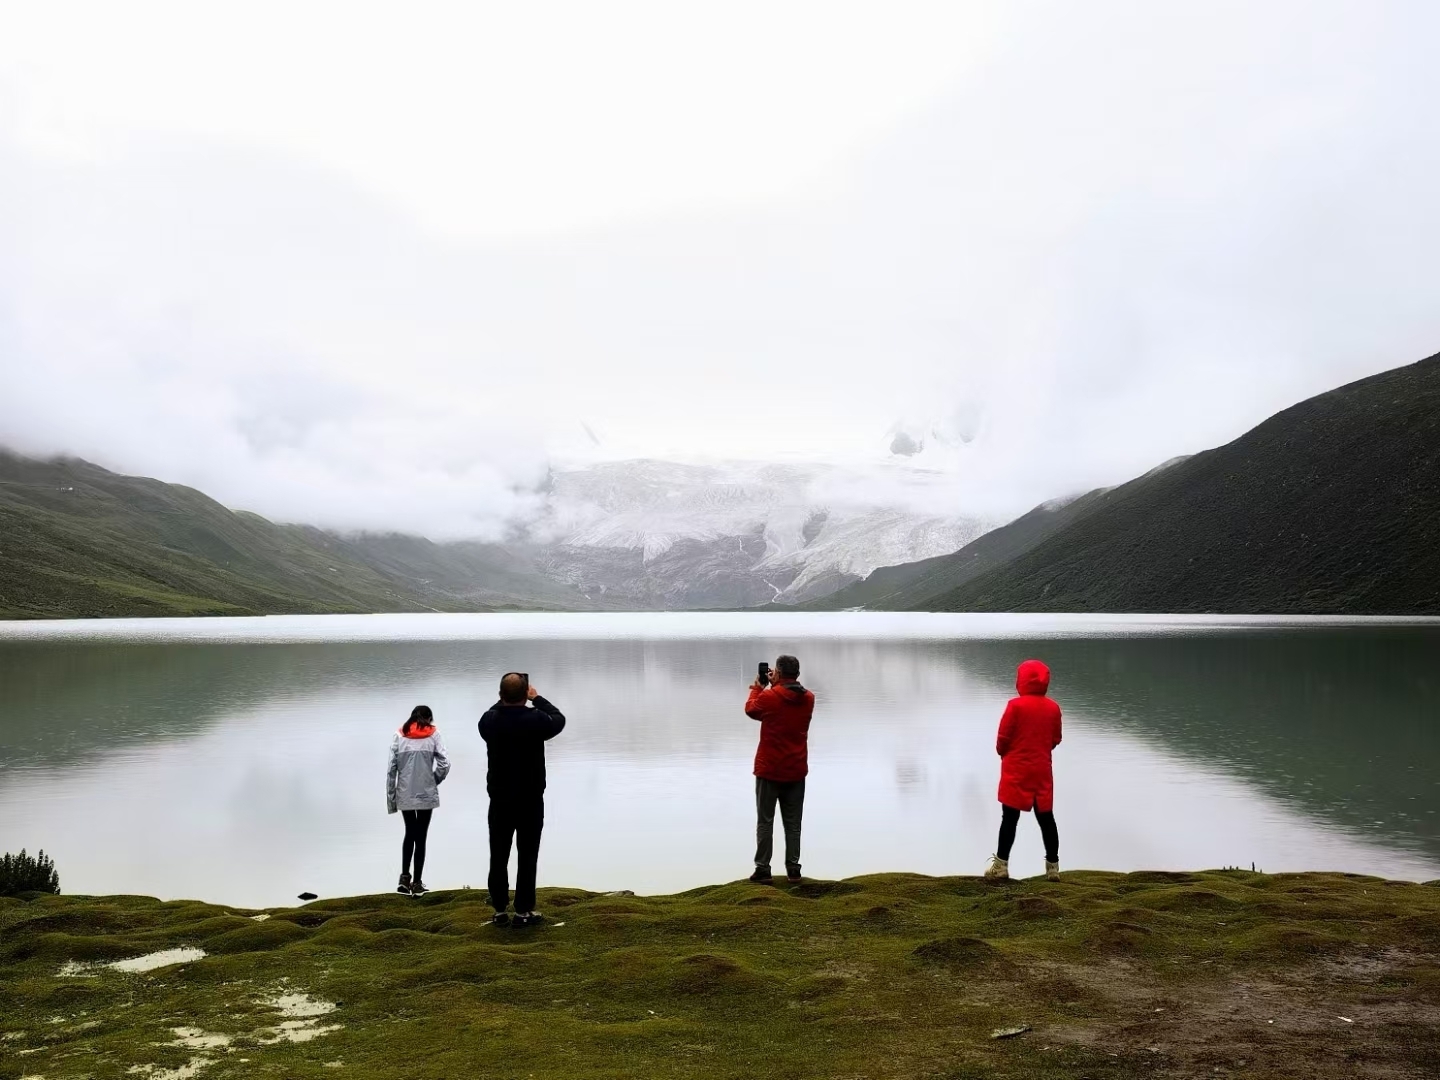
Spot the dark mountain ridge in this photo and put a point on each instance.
(1331, 506)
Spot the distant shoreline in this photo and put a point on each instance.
(584, 625)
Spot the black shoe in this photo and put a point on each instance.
(404, 886)
(501, 919)
(792, 875)
(762, 876)
(418, 888)
(533, 918)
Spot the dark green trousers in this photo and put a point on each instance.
(791, 797)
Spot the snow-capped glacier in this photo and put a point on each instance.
(670, 534)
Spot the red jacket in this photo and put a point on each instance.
(784, 711)
(1029, 730)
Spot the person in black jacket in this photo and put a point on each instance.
(515, 740)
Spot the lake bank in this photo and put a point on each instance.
(1113, 975)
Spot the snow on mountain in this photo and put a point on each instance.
(671, 534)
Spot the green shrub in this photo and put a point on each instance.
(23, 873)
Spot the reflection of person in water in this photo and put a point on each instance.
(417, 766)
(1029, 731)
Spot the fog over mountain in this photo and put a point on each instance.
(1067, 243)
(664, 535)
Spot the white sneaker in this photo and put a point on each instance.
(1052, 871)
(998, 870)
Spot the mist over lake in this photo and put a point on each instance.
(244, 759)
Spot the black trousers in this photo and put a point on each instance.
(519, 820)
(417, 827)
(1010, 817)
(791, 797)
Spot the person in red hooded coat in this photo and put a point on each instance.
(1029, 732)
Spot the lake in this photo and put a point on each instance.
(243, 760)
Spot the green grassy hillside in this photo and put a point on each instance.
(79, 541)
(1102, 975)
(1330, 506)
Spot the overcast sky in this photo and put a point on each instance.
(378, 266)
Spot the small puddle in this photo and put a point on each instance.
(304, 1023)
(297, 1005)
(298, 1031)
(164, 958)
(79, 969)
(193, 1038)
(188, 1071)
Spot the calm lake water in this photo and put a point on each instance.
(243, 760)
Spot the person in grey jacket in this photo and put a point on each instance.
(417, 766)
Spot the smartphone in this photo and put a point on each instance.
(763, 677)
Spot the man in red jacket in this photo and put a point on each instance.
(782, 761)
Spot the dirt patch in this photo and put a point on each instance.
(1317, 1021)
(956, 952)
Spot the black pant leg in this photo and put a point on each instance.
(422, 830)
(767, 792)
(792, 810)
(1009, 819)
(1050, 834)
(502, 831)
(529, 823)
(407, 846)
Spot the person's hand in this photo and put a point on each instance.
(757, 685)
(531, 694)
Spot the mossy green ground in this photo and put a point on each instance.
(896, 975)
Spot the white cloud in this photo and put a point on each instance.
(1093, 237)
(497, 118)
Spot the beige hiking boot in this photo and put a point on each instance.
(998, 870)
(1052, 871)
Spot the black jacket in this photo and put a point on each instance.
(515, 740)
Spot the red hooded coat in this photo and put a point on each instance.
(1029, 730)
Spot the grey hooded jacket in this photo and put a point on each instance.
(417, 766)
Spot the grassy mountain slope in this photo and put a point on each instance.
(77, 540)
(1330, 506)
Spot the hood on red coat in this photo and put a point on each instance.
(1033, 677)
(792, 690)
(419, 731)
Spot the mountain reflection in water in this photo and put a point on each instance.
(258, 764)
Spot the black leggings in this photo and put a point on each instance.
(417, 824)
(1010, 817)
